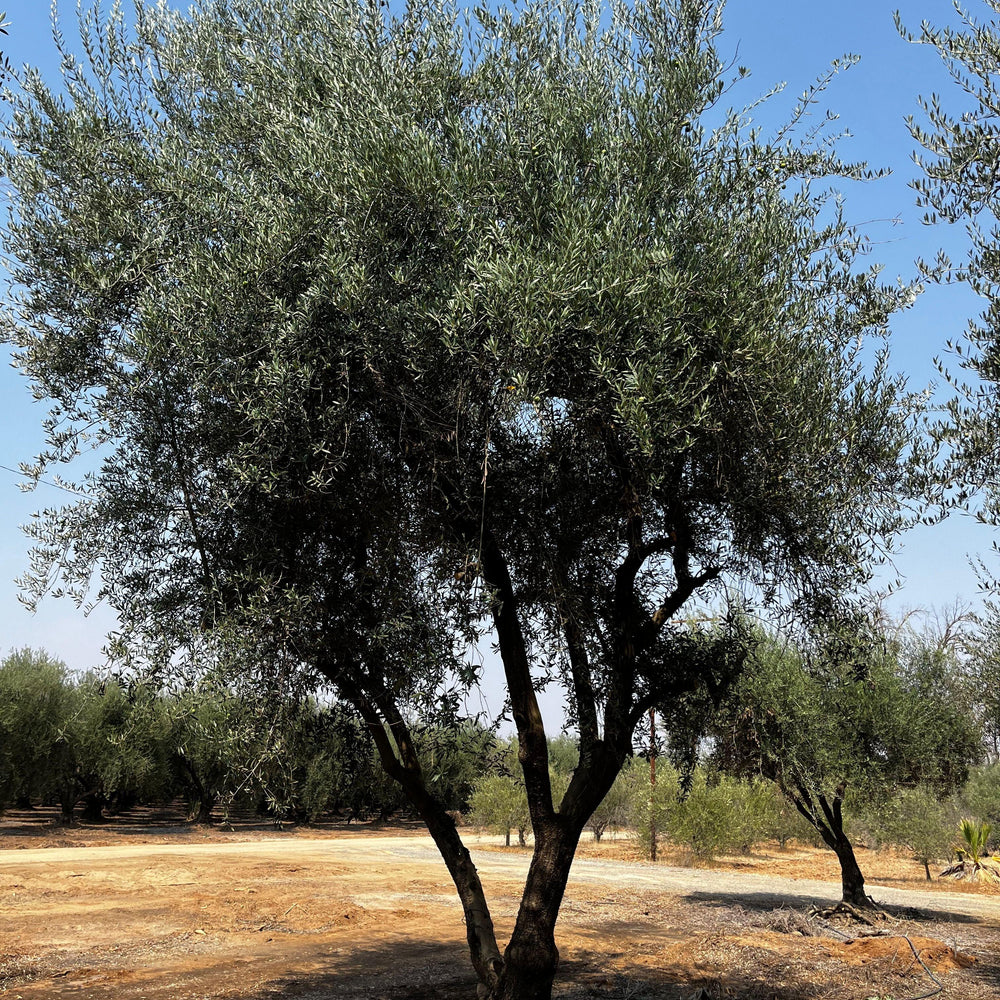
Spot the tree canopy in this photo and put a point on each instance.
(388, 325)
(960, 182)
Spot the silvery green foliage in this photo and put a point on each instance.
(304, 270)
(959, 183)
(388, 326)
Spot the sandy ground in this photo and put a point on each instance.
(186, 913)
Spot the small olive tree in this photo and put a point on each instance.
(847, 715)
(500, 803)
(920, 821)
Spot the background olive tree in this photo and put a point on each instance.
(958, 133)
(862, 714)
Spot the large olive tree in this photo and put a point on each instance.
(385, 326)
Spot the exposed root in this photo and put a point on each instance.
(871, 915)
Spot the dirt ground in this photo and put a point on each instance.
(146, 910)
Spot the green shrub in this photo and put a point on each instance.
(649, 806)
(980, 796)
(707, 820)
(614, 811)
(499, 803)
(787, 823)
(754, 810)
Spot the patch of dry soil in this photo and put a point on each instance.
(151, 915)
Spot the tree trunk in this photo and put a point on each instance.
(68, 798)
(851, 880)
(93, 807)
(531, 958)
(206, 803)
(66, 810)
(828, 818)
(201, 801)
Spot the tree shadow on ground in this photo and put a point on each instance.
(765, 901)
(424, 970)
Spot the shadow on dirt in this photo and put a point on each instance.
(420, 970)
(766, 901)
(43, 821)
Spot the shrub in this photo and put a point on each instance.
(614, 811)
(973, 861)
(650, 805)
(499, 803)
(980, 796)
(707, 821)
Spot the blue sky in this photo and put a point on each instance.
(779, 40)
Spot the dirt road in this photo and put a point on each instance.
(355, 916)
(419, 852)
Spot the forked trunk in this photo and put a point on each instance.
(827, 816)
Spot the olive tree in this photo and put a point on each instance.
(388, 325)
(857, 715)
(499, 803)
(35, 707)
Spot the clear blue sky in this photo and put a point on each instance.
(779, 40)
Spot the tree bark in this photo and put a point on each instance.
(67, 807)
(532, 958)
(206, 803)
(851, 879)
(401, 764)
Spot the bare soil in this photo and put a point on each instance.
(147, 909)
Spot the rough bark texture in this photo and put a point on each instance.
(633, 680)
(203, 814)
(532, 958)
(851, 879)
(398, 757)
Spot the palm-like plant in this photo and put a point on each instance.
(973, 861)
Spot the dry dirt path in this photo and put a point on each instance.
(765, 890)
(359, 852)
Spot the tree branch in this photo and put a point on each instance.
(533, 753)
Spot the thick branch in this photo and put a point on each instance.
(686, 586)
(533, 751)
(186, 492)
(405, 769)
(583, 686)
(629, 569)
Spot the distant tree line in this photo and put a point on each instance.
(98, 746)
